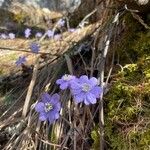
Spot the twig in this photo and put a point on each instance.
(84, 63)
(137, 17)
(74, 133)
(69, 64)
(83, 22)
(30, 90)
(92, 61)
(101, 111)
(131, 10)
(20, 50)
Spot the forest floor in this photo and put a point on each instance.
(10, 89)
(9, 57)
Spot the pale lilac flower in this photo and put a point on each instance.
(57, 37)
(48, 107)
(3, 36)
(35, 47)
(86, 90)
(11, 36)
(65, 81)
(21, 60)
(71, 30)
(50, 33)
(38, 35)
(61, 22)
(27, 32)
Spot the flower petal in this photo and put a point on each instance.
(86, 102)
(55, 99)
(93, 81)
(76, 91)
(51, 117)
(84, 79)
(57, 107)
(79, 98)
(57, 115)
(42, 117)
(75, 85)
(64, 85)
(45, 97)
(39, 107)
(91, 98)
(97, 90)
(59, 81)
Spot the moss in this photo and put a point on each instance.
(134, 43)
(127, 108)
(1, 71)
(127, 104)
(95, 136)
(20, 17)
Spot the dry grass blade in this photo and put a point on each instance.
(30, 89)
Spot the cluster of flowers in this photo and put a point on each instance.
(49, 33)
(27, 34)
(35, 47)
(82, 89)
(7, 36)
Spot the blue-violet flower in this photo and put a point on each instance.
(3, 36)
(11, 36)
(65, 81)
(61, 22)
(27, 32)
(21, 60)
(86, 90)
(35, 47)
(48, 107)
(71, 29)
(38, 35)
(50, 33)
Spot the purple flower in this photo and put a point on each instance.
(34, 47)
(61, 22)
(50, 33)
(11, 36)
(65, 81)
(27, 32)
(38, 35)
(71, 30)
(3, 36)
(86, 90)
(57, 37)
(21, 60)
(48, 107)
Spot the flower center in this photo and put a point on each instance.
(48, 107)
(86, 87)
(67, 77)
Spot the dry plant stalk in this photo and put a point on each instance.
(30, 89)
